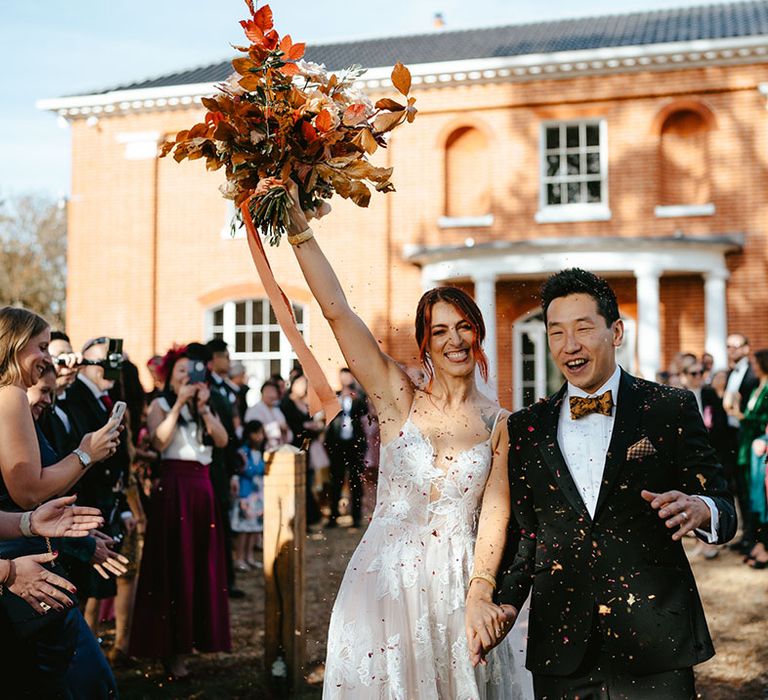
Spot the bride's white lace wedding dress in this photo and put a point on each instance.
(397, 627)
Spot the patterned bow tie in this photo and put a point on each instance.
(583, 405)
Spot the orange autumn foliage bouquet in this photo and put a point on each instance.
(279, 117)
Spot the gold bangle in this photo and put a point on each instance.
(483, 576)
(298, 238)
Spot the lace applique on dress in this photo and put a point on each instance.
(397, 627)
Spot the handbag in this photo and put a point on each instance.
(23, 618)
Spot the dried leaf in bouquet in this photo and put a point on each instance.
(279, 117)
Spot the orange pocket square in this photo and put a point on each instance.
(642, 448)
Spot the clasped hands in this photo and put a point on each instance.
(486, 623)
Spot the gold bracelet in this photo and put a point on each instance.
(483, 576)
(298, 238)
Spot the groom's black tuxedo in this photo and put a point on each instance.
(619, 574)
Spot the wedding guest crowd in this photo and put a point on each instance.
(734, 405)
(178, 480)
(180, 486)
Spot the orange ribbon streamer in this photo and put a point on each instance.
(321, 396)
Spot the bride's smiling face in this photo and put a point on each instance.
(450, 341)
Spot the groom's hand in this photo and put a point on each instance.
(687, 513)
(486, 624)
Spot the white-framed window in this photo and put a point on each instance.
(250, 328)
(574, 171)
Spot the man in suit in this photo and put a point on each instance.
(89, 406)
(56, 423)
(605, 479)
(346, 443)
(742, 381)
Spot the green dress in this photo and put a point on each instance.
(753, 426)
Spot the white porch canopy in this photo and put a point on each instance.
(646, 258)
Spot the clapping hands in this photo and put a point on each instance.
(60, 518)
(105, 561)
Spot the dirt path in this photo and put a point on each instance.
(735, 598)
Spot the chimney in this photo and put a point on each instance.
(438, 21)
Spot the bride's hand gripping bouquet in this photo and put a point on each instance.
(279, 118)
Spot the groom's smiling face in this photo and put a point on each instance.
(583, 344)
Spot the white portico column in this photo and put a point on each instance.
(648, 331)
(485, 298)
(716, 316)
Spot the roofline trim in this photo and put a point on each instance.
(557, 65)
(429, 254)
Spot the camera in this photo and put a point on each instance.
(112, 364)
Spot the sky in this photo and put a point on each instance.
(57, 48)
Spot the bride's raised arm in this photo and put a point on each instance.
(386, 383)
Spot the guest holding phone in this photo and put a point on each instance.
(58, 656)
(181, 603)
(90, 406)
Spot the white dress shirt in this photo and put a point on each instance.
(59, 411)
(735, 378)
(98, 393)
(584, 444)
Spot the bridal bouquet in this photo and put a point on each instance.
(279, 117)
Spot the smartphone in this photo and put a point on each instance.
(196, 372)
(118, 411)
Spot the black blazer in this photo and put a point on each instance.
(358, 413)
(101, 484)
(620, 570)
(56, 432)
(720, 433)
(748, 384)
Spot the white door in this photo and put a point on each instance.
(529, 338)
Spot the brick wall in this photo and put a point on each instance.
(146, 255)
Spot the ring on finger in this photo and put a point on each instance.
(44, 606)
(683, 515)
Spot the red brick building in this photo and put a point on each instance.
(635, 146)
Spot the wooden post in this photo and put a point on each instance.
(284, 535)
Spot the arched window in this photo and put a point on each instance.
(467, 174)
(254, 337)
(684, 158)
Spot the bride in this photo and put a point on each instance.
(397, 628)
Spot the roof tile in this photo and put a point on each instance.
(730, 20)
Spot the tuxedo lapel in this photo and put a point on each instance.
(625, 430)
(553, 456)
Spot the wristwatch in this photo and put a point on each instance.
(83, 456)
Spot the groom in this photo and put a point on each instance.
(605, 478)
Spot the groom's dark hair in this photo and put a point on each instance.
(577, 281)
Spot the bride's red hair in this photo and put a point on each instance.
(469, 310)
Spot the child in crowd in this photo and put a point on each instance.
(247, 517)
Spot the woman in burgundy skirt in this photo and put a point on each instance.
(181, 601)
